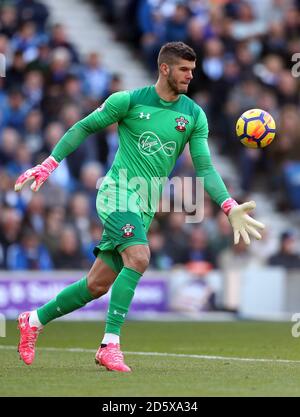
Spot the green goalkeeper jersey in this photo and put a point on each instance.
(152, 135)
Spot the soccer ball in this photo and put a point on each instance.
(255, 128)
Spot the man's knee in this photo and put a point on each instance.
(136, 257)
(100, 278)
(96, 288)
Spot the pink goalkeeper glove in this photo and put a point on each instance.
(39, 174)
(242, 224)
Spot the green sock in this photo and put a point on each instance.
(69, 299)
(122, 293)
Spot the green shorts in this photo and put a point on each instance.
(121, 230)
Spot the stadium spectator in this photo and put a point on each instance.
(95, 233)
(68, 255)
(221, 239)
(79, 216)
(209, 222)
(33, 11)
(107, 146)
(54, 222)
(42, 61)
(198, 248)
(160, 260)
(33, 88)
(34, 216)
(10, 231)
(69, 115)
(15, 72)
(27, 40)
(152, 26)
(287, 255)
(115, 84)
(22, 160)
(237, 258)
(90, 174)
(7, 197)
(59, 40)
(177, 24)
(189, 291)
(73, 91)
(28, 254)
(16, 111)
(176, 236)
(53, 132)
(8, 20)
(5, 48)
(10, 140)
(60, 66)
(33, 131)
(95, 77)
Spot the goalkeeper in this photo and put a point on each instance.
(154, 125)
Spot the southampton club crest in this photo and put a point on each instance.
(127, 229)
(181, 123)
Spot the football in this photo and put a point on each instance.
(255, 128)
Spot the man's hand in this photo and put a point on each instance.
(39, 174)
(242, 224)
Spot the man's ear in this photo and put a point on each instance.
(164, 69)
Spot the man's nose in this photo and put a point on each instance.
(190, 76)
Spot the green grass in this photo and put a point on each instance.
(63, 373)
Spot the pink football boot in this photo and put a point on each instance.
(112, 358)
(28, 337)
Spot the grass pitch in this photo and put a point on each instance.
(200, 359)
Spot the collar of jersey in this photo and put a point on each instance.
(162, 101)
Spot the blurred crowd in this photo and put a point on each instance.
(48, 87)
(244, 60)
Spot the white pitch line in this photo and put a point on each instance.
(174, 355)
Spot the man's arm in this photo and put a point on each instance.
(112, 110)
(241, 222)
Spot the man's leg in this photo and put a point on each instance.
(124, 234)
(94, 285)
(136, 260)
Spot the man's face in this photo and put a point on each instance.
(179, 75)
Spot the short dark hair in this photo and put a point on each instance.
(287, 234)
(171, 51)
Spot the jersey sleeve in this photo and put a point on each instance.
(198, 139)
(200, 153)
(113, 110)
